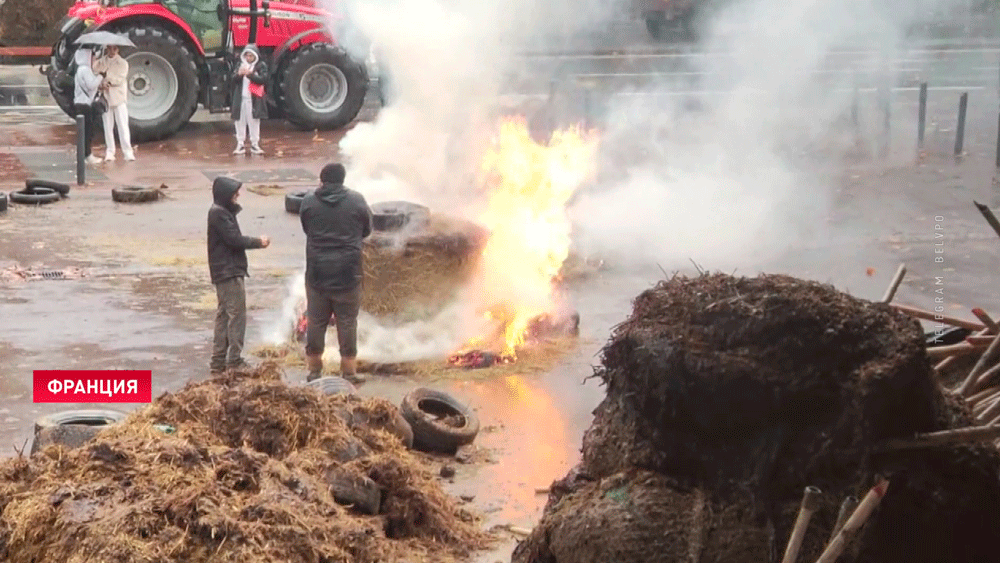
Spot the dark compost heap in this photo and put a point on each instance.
(245, 479)
(726, 396)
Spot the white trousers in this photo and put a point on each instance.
(246, 120)
(117, 115)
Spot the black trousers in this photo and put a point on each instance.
(344, 307)
(89, 115)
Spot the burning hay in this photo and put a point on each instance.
(254, 473)
(745, 391)
(415, 274)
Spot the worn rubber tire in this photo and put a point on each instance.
(66, 435)
(86, 417)
(293, 201)
(951, 335)
(390, 216)
(166, 44)
(290, 98)
(32, 183)
(431, 435)
(36, 196)
(3, 202)
(134, 194)
(333, 385)
(59, 75)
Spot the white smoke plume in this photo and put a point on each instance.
(749, 174)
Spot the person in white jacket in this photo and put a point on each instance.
(85, 91)
(115, 71)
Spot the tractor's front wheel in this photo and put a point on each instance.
(322, 87)
(162, 83)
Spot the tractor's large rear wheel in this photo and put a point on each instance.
(163, 84)
(322, 87)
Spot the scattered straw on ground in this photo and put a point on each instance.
(266, 190)
(539, 358)
(242, 480)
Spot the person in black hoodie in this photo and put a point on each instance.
(336, 220)
(227, 264)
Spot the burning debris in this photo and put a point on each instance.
(478, 359)
(256, 471)
(727, 396)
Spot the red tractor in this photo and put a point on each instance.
(187, 51)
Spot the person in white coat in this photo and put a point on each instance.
(115, 71)
(249, 104)
(86, 86)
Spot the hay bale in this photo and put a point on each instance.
(415, 272)
(750, 389)
(771, 382)
(243, 479)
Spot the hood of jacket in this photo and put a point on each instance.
(223, 189)
(82, 57)
(331, 194)
(251, 48)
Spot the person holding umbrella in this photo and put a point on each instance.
(86, 87)
(115, 71)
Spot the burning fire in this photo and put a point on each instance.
(530, 185)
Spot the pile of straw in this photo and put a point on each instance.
(242, 480)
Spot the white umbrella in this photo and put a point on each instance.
(104, 38)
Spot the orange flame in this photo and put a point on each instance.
(531, 184)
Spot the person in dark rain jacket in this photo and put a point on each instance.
(336, 220)
(227, 264)
(249, 105)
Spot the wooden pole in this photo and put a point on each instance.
(854, 523)
(985, 378)
(960, 349)
(929, 316)
(846, 509)
(989, 216)
(894, 285)
(943, 438)
(991, 353)
(989, 414)
(810, 504)
(984, 395)
(987, 320)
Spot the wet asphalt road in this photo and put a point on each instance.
(148, 303)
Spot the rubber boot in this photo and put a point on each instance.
(349, 370)
(315, 366)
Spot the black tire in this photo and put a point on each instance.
(655, 25)
(134, 194)
(293, 202)
(36, 196)
(67, 435)
(81, 417)
(160, 43)
(296, 109)
(60, 75)
(422, 408)
(32, 183)
(333, 386)
(395, 215)
(351, 488)
(951, 335)
(3, 202)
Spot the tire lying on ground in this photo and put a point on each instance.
(31, 183)
(333, 386)
(135, 194)
(440, 422)
(293, 201)
(395, 215)
(3, 202)
(72, 428)
(35, 196)
(349, 487)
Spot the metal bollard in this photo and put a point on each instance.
(922, 116)
(998, 140)
(963, 105)
(81, 164)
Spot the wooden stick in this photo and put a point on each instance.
(943, 438)
(988, 356)
(983, 395)
(986, 339)
(961, 349)
(991, 325)
(983, 405)
(943, 319)
(894, 285)
(846, 509)
(989, 413)
(984, 379)
(989, 216)
(854, 523)
(810, 504)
